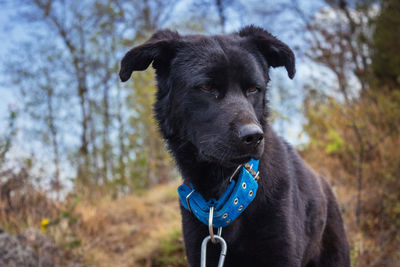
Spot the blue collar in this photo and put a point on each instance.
(237, 196)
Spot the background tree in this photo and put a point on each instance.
(90, 38)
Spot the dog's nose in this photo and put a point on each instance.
(251, 134)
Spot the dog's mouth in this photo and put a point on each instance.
(227, 161)
(228, 153)
(241, 160)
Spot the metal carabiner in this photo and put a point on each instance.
(203, 258)
(214, 239)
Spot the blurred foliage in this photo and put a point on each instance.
(376, 116)
(152, 162)
(386, 58)
(171, 251)
(354, 141)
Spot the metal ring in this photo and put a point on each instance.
(251, 193)
(236, 201)
(244, 185)
(210, 224)
(225, 215)
(240, 208)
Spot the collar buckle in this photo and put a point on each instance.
(235, 172)
(187, 200)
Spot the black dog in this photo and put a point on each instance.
(212, 110)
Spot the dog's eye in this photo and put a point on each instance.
(209, 90)
(252, 90)
(206, 88)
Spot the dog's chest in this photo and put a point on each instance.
(254, 247)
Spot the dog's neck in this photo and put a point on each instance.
(208, 178)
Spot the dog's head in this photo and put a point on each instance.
(212, 89)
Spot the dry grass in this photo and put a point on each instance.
(134, 230)
(128, 231)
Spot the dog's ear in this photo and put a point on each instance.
(274, 51)
(159, 49)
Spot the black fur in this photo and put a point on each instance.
(208, 88)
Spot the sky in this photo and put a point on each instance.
(5, 44)
(11, 33)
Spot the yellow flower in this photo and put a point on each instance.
(43, 224)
